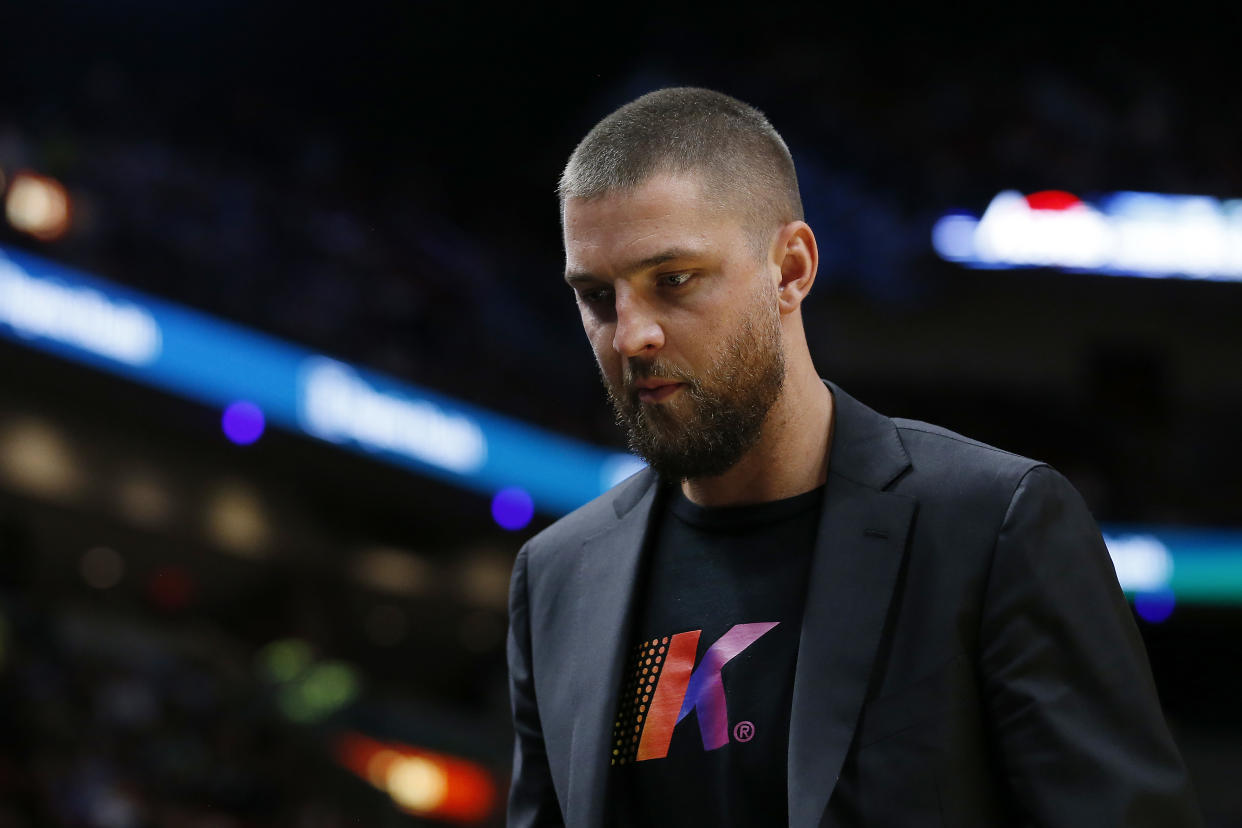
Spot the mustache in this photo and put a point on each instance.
(636, 370)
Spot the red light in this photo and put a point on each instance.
(421, 782)
(1052, 200)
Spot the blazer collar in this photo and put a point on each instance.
(865, 446)
(859, 552)
(605, 583)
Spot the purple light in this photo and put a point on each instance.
(512, 508)
(242, 422)
(1154, 607)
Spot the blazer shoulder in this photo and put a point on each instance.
(923, 439)
(944, 462)
(591, 518)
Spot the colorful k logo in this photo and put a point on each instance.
(682, 689)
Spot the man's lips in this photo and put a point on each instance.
(656, 391)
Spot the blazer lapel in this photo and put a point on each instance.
(606, 579)
(858, 555)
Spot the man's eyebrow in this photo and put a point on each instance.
(578, 277)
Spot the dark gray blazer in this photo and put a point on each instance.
(966, 656)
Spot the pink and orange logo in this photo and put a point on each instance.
(666, 687)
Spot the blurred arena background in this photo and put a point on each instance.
(288, 371)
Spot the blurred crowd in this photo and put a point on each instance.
(109, 721)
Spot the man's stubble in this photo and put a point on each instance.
(721, 412)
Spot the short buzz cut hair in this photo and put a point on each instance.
(741, 159)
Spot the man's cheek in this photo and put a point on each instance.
(609, 368)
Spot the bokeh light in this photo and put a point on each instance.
(38, 205)
(417, 784)
(321, 690)
(1156, 606)
(36, 457)
(237, 520)
(284, 660)
(243, 422)
(420, 781)
(512, 508)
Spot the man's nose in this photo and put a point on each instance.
(638, 331)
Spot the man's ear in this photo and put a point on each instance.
(796, 257)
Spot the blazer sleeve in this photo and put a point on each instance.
(532, 799)
(1073, 709)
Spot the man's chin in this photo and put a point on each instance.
(677, 467)
(671, 400)
(664, 425)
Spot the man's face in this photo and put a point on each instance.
(682, 316)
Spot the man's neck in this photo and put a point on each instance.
(790, 458)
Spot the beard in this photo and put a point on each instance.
(720, 413)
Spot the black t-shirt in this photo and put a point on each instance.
(702, 726)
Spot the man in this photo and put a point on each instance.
(802, 612)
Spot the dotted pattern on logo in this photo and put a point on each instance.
(636, 696)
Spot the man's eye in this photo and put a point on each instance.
(596, 296)
(676, 279)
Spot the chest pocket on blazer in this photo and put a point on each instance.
(947, 688)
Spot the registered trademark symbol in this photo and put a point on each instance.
(743, 731)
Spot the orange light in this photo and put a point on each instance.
(38, 205)
(421, 782)
(378, 766)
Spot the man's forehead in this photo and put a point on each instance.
(626, 248)
(666, 213)
(656, 195)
